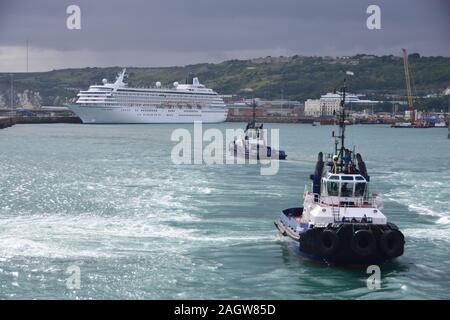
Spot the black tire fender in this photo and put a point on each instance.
(363, 242)
(328, 242)
(392, 243)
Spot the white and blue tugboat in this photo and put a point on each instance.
(341, 222)
(253, 144)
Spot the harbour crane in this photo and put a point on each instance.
(408, 86)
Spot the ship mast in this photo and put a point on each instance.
(340, 151)
(342, 122)
(254, 113)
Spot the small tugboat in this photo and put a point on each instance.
(253, 145)
(340, 223)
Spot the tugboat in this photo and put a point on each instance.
(340, 223)
(253, 145)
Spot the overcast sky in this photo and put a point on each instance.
(180, 32)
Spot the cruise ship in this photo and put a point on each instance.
(118, 103)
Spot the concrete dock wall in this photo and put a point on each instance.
(26, 120)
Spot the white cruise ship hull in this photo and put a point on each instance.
(117, 114)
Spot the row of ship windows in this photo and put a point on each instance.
(152, 105)
(159, 107)
(168, 115)
(179, 106)
(140, 105)
(178, 96)
(142, 110)
(147, 100)
(116, 96)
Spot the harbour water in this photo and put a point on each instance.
(108, 199)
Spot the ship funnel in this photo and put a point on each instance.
(190, 79)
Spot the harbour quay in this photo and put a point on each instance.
(42, 115)
(6, 122)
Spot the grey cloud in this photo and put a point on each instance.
(211, 27)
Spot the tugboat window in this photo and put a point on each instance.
(360, 189)
(333, 188)
(346, 189)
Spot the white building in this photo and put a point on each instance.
(330, 103)
(313, 108)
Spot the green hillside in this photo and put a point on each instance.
(297, 77)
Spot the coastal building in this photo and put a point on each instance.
(269, 108)
(243, 110)
(313, 108)
(329, 104)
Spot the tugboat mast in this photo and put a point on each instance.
(342, 154)
(342, 121)
(252, 123)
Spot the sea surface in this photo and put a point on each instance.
(108, 199)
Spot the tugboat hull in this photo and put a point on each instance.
(342, 243)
